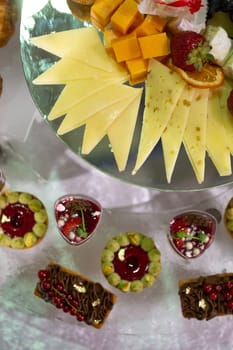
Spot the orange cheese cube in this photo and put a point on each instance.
(109, 36)
(137, 69)
(124, 16)
(102, 10)
(155, 45)
(126, 48)
(151, 25)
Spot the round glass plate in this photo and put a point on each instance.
(45, 17)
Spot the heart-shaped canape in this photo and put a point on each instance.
(191, 233)
(77, 217)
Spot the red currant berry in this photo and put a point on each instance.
(228, 285)
(80, 317)
(218, 288)
(227, 296)
(60, 305)
(69, 297)
(42, 274)
(73, 312)
(75, 303)
(213, 295)
(66, 308)
(45, 285)
(230, 305)
(51, 293)
(59, 287)
(57, 299)
(207, 288)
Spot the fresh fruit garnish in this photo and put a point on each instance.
(77, 218)
(230, 102)
(211, 76)
(189, 51)
(191, 233)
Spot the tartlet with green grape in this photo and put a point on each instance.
(228, 217)
(130, 262)
(23, 220)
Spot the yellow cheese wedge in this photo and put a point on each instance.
(195, 133)
(216, 142)
(98, 124)
(68, 69)
(163, 89)
(74, 92)
(121, 132)
(82, 44)
(226, 116)
(88, 107)
(172, 136)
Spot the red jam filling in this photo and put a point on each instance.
(17, 219)
(71, 207)
(133, 264)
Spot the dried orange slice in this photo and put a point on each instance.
(211, 76)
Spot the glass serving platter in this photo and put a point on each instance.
(45, 17)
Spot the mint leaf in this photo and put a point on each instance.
(181, 234)
(81, 232)
(202, 236)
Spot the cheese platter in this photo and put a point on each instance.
(83, 93)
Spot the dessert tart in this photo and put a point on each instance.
(23, 220)
(75, 294)
(191, 233)
(8, 18)
(131, 262)
(77, 217)
(207, 297)
(228, 217)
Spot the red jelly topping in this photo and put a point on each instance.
(133, 264)
(77, 217)
(17, 219)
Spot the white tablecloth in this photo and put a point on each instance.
(45, 167)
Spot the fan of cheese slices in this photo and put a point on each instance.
(96, 95)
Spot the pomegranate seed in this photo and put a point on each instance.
(179, 243)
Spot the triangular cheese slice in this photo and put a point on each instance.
(83, 44)
(88, 107)
(74, 92)
(68, 69)
(226, 116)
(195, 133)
(162, 90)
(216, 142)
(98, 124)
(121, 132)
(172, 136)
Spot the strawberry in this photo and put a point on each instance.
(71, 224)
(230, 102)
(189, 51)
